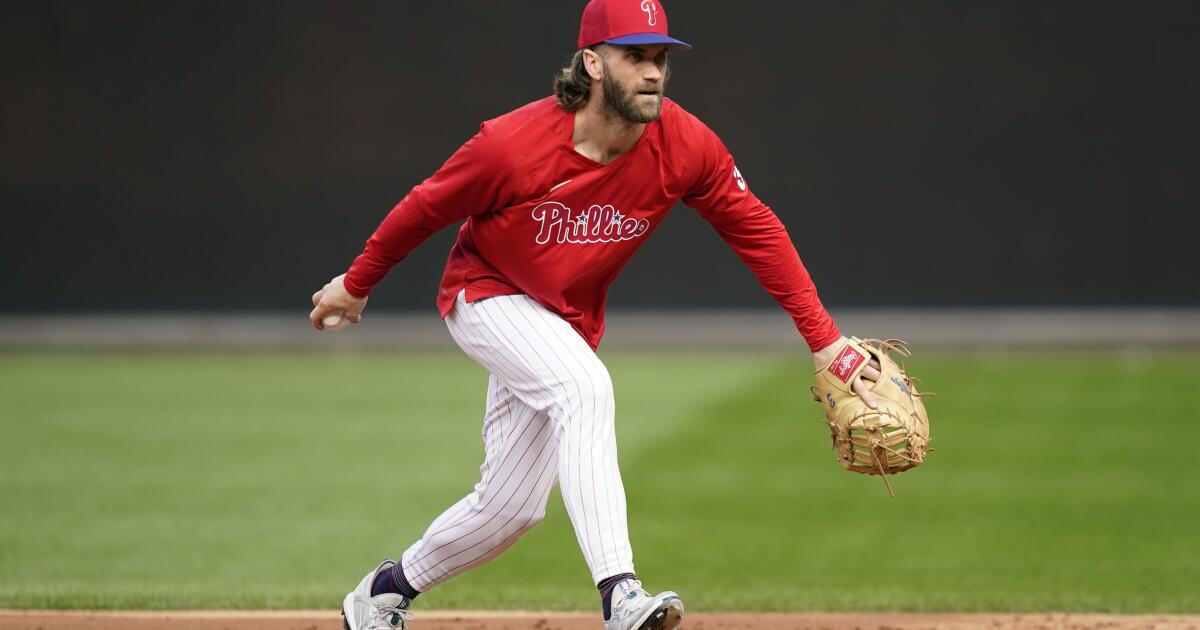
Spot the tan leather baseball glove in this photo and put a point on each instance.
(889, 439)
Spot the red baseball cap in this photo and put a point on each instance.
(625, 22)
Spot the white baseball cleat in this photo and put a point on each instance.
(388, 611)
(635, 609)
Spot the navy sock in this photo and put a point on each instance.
(392, 580)
(606, 587)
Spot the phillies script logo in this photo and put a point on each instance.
(600, 224)
(651, 10)
(846, 362)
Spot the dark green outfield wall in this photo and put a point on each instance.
(229, 155)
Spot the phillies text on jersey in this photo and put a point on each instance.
(597, 224)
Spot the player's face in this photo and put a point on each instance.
(635, 78)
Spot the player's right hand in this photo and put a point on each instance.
(334, 299)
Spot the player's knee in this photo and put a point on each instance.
(519, 519)
(534, 518)
(595, 391)
(584, 396)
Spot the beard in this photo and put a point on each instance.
(630, 104)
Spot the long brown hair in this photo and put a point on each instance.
(573, 84)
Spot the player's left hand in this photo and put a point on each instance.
(823, 357)
(333, 299)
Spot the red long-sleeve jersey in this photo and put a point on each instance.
(545, 221)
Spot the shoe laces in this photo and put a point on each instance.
(633, 591)
(390, 616)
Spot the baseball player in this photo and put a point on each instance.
(556, 197)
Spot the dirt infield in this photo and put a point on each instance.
(459, 620)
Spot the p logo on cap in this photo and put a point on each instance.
(651, 10)
(625, 22)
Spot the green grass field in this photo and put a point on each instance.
(1061, 481)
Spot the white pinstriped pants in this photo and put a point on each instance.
(549, 418)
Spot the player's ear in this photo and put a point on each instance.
(593, 63)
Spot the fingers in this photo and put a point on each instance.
(334, 299)
(315, 318)
(871, 371)
(319, 313)
(861, 389)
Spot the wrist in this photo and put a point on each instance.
(825, 342)
(826, 355)
(352, 289)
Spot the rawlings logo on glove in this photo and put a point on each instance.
(889, 439)
(846, 362)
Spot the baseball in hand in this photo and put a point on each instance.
(335, 322)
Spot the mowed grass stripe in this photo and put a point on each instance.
(179, 480)
(170, 480)
(247, 481)
(1044, 494)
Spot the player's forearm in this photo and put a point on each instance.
(473, 180)
(763, 244)
(404, 228)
